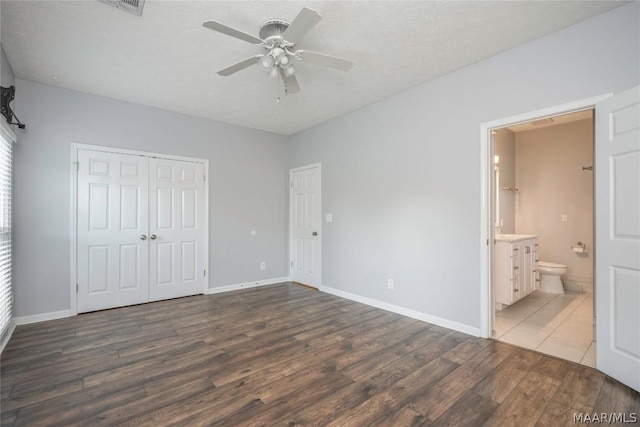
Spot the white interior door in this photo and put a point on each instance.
(617, 196)
(305, 226)
(176, 229)
(112, 216)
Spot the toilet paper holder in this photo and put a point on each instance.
(581, 247)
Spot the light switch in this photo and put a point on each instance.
(564, 218)
(329, 218)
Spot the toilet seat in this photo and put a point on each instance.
(548, 264)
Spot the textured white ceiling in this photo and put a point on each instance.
(166, 59)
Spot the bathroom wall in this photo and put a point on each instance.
(504, 144)
(552, 183)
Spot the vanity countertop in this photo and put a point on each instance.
(514, 237)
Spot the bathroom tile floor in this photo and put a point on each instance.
(559, 325)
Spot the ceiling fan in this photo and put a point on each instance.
(278, 38)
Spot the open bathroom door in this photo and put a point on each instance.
(617, 201)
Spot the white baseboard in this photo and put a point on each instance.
(265, 282)
(25, 320)
(404, 311)
(7, 336)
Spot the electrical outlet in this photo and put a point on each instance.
(263, 265)
(564, 218)
(390, 283)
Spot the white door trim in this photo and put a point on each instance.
(73, 235)
(486, 169)
(291, 231)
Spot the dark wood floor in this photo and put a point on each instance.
(284, 355)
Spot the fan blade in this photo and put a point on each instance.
(240, 66)
(306, 20)
(290, 81)
(224, 29)
(325, 60)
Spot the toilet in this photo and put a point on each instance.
(550, 277)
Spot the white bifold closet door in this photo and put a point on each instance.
(176, 195)
(141, 230)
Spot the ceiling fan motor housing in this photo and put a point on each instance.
(272, 29)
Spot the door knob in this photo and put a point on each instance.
(315, 233)
(152, 237)
(143, 237)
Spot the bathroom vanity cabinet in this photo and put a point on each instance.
(515, 267)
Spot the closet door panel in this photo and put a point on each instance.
(176, 191)
(112, 215)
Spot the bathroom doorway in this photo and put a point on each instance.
(543, 229)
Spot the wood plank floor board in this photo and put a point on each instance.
(151, 367)
(59, 360)
(336, 404)
(270, 384)
(382, 404)
(471, 410)
(82, 371)
(376, 320)
(579, 389)
(300, 397)
(390, 355)
(407, 365)
(466, 350)
(615, 397)
(556, 414)
(77, 407)
(403, 417)
(283, 355)
(499, 384)
(21, 397)
(147, 404)
(377, 380)
(527, 403)
(451, 388)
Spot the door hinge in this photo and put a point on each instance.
(77, 288)
(291, 184)
(291, 264)
(77, 166)
(204, 177)
(487, 242)
(204, 273)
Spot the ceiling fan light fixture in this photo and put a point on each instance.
(289, 71)
(266, 62)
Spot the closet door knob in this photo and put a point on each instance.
(143, 237)
(153, 237)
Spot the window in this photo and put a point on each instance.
(6, 187)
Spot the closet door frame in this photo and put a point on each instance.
(73, 232)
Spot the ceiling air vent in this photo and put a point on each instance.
(133, 6)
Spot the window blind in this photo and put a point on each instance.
(6, 188)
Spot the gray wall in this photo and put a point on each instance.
(6, 73)
(248, 174)
(402, 176)
(552, 183)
